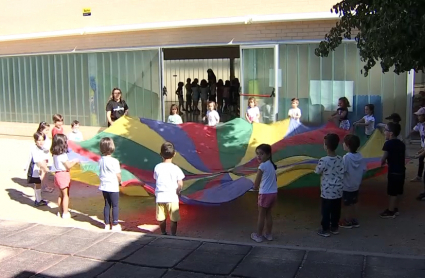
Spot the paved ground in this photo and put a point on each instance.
(297, 214)
(33, 250)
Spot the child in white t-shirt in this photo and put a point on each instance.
(44, 128)
(75, 135)
(368, 121)
(62, 165)
(266, 182)
(295, 113)
(174, 117)
(37, 167)
(212, 116)
(169, 184)
(253, 112)
(110, 179)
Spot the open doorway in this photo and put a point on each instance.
(194, 62)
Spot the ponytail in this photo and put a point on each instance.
(271, 160)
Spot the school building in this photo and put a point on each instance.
(66, 56)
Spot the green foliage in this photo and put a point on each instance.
(389, 32)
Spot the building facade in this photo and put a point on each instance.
(55, 60)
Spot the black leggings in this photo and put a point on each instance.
(421, 166)
(111, 200)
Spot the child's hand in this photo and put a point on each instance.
(179, 192)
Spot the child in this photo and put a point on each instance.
(226, 96)
(195, 95)
(331, 167)
(368, 121)
(188, 88)
(174, 117)
(220, 89)
(204, 94)
(44, 128)
(212, 116)
(266, 182)
(58, 121)
(341, 114)
(394, 155)
(253, 113)
(295, 113)
(62, 165)
(110, 179)
(169, 183)
(75, 135)
(37, 168)
(420, 127)
(395, 118)
(179, 93)
(355, 167)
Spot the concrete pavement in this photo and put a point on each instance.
(35, 250)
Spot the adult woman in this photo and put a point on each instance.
(116, 106)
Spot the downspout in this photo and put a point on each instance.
(175, 24)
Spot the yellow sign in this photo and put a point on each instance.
(86, 12)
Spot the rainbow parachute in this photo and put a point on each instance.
(219, 163)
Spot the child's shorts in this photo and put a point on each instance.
(34, 180)
(267, 200)
(350, 198)
(204, 97)
(172, 209)
(395, 184)
(62, 179)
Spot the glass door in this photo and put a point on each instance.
(163, 89)
(260, 79)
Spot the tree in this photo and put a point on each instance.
(391, 32)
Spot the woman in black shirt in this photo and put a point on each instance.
(116, 106)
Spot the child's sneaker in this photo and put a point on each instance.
(335, 231)
(66, 215)
(323, 233)
(256, 237)
(268, 237)
(116, 228)
(388, 214)
(355, 223)
(346, 224)
(41, 203)
(396, 212)
(107, 227)
(416, 179)
(421, 197)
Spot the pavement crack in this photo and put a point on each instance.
(301, 264)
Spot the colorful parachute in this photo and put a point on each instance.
(219, 163)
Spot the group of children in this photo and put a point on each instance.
(340, 176)
(37, 166)
(224, 94)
